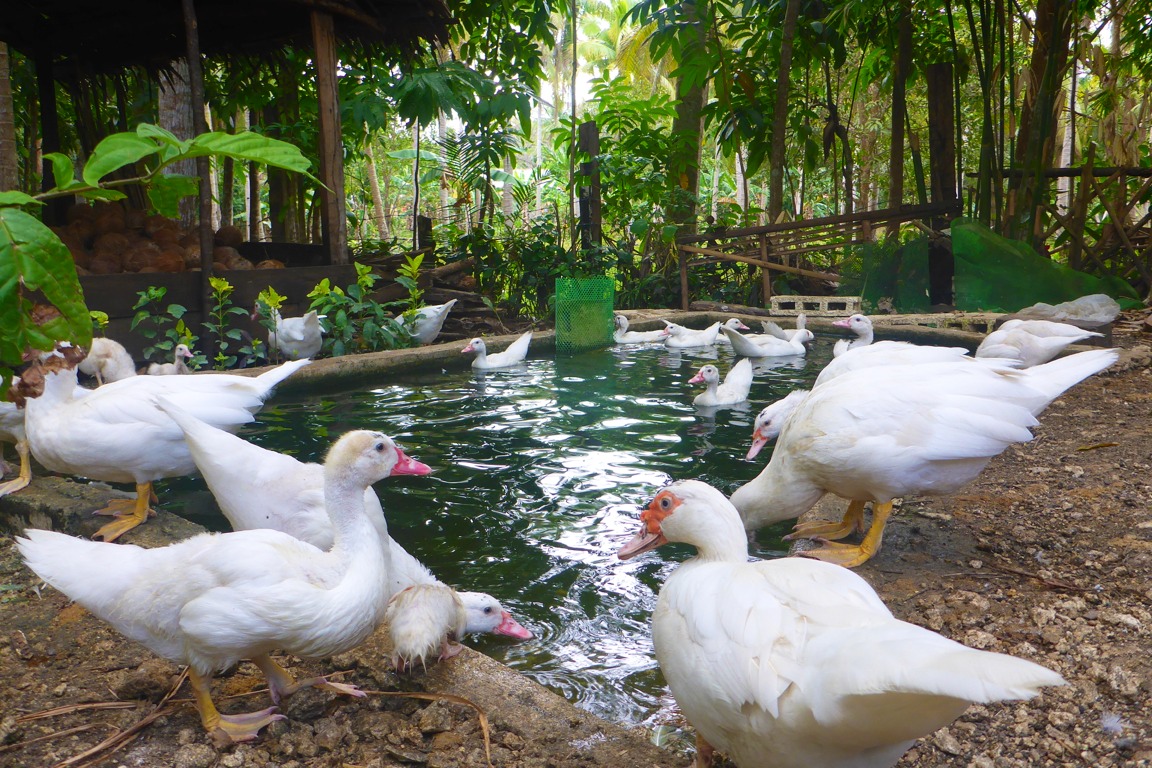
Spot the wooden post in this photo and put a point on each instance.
(684, 301)
(56, 209)
(331, 153)
(589, 138)
(942, 170)
(199, 126)
(765, 274)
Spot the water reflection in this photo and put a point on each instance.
(539, 473)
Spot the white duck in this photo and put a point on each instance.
(801, 325)
(735, 324)
(177, 367)
(1032, 342)
(768, 345)
(680, 337)
(215, 599)
(107, 360)
(429, 321)
(793, 663)
(884, 353)
(258, 488)
(880, 433)
(411, 611)
(624, 336)
(515, 353)
(118, 433)
(296, 337)
(737, 384)
(861, 328)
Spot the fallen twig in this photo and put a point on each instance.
(1053, 583)
(1094, 446)
(56, 734)
(70, 708)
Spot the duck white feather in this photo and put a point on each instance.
(429, 321)
(257, 488)
(862, 332)
(515, 353)
(215, 599)
(735, 388)
(177, 367)
(107, 360)
(296, 337)
(768, 345)
(680, 337)
(794, 663)
(883, 432)
(118, 433)
(624, 336)
(1032, 342)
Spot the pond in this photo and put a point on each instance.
(539, 473)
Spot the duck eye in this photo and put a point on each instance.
(665, 502)
(379, 447)
(488, 609)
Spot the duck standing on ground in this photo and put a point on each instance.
(217, 598)
(516, 352)
(177, 367)
(429, 320)
(258, 488)
(118, 433)
(624, 336)
(296, 338)
(1032, 342)
(793, 663)
(737, 384)
(881, 433)
(107, 360)
(861, 328)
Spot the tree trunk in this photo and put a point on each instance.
(780, 115)
(684, 163)
(9, 163)
(175, 115)
(901, 68)
(1035, 140)
(374, 188)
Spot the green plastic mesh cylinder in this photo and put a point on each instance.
(583, 313)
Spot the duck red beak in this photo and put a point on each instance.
(642, 542)
(842, 323)
(509, 627)
(699, 377)
(409, 466)
(758, 442)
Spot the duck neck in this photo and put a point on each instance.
(58, 386)
(726, 542)
(352, 531)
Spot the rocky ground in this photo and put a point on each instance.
(1048, 556)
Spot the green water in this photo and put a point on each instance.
(539, 473)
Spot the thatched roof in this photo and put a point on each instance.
(88, 38)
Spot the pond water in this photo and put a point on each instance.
(539, 473)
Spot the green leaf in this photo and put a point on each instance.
(63, 172)
(102, 194)
(176, 310)
(251, 147)
(115, 152)
(33, 258)
(149, 131)
(17, 198)
(166, 192)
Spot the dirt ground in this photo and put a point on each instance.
(1047, 556)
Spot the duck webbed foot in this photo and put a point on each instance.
(853, 522)
(852, 555)
(129, 513)
(228, 729)
(281, 684)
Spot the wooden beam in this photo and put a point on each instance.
(747, 260)
(335, 224)
(882, 215)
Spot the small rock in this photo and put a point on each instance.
(194, 756)
(946, 742)
(435, 718)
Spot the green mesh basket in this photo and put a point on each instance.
(583, 313)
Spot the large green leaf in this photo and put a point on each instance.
(63, 172)
(171, 147)
(33, 258)
(17, 198)
(165, 193)
(251, 147)
(115, 152)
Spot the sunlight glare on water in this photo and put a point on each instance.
(539, 474)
